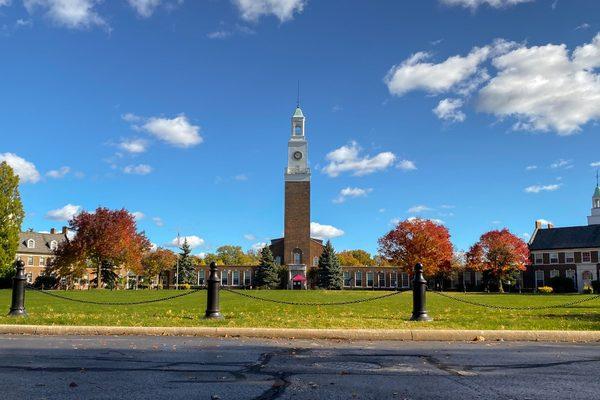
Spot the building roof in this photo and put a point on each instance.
(574, 237)
(42, 242)
(298, 113)
(597, 191)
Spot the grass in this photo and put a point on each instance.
(389, 313)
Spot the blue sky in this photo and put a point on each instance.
(480, 113)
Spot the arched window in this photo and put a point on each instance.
(53, 245)
(31, 244)
(597, 203)
(298, 130)
(297, 256)
(315, 261)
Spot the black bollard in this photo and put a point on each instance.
(212, 301)
(17, 307)
(419, 289)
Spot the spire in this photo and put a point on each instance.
(597, 191)
(298, 97)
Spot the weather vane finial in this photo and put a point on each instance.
(298, 97)
(597, 178)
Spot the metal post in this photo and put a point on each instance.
(212, 300)
(419, 289)
(17, 308)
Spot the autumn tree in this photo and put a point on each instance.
(232, 255)
(498, 253)
(267, 274)
(418, 241)
(159, 262)
(355, 258)
(11, 218)
(330, 271)
(104, 240)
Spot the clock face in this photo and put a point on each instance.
(297, 155)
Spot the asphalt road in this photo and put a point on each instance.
(34, 367)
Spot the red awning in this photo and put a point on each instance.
(298, 278)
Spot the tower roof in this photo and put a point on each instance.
(597, 191)
(298, 113)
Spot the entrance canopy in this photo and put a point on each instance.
(298, 278)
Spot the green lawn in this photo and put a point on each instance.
(391, 312)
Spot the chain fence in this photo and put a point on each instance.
(114, 303)
(301, 303)
(516, 308)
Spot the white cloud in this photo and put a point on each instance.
(4, 3)
(434, 220)
(406, 165)
(347, 159)
(65, 213)
(418, 209)
(58, 173)
(259, 246)
(324, 232)
(564, 164)
(158, 221)
(252, 10)
(544, 222)
(449, 110)
(68, 13)
(473, 4)
(526, 236)
(241, 177)
(144, 8)
(417, 74)
(595, 164)
(542, 188)
(140, 169)
(531, 167)
(135, 146)
(249, 237)
(193, 241)
(138, 215)
(351, 192)
(130, 117)
(544, 88)
(24, 169)
(177, 131)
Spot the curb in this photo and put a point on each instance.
(446, 335)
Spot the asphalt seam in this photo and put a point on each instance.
(287, 333)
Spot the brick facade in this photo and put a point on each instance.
(297, 223)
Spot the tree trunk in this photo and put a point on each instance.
(500, 288)
(99, 276)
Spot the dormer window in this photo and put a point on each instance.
(53, 245)
(31, 244)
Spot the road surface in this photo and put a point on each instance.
(37, 367)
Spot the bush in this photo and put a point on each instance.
(596, 286)
(587, 289)
(545, 290)
(6, 276)
(45, 282)
(562, 284)
(185, 286)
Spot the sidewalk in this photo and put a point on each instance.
(281, 333)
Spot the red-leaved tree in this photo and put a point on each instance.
(418, 241)
(104, 240)
(499, 253)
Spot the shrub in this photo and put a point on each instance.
(6, 275)
(596, 286)
(545, 290)
(185, 286)
(45, 282)
(562, 284)
(587, 289)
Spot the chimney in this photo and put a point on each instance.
(52, 231)
(64, 230)
(550, 226)
(538, 224)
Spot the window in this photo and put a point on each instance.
(381, 279)
(369, 279)
(358, 279)
(554, 273)
(201, 277)
(315, 261)
(467, 277)
(297, 256)
(29, 260)
(235, 277)
(570, 273)
(224, 278)
(539, 258)
(53, 245)
(569, 257)
(29, 278)
(405, 281)
(298, 130)
(31, 244)
(539, 278)
(477, 278)
(394, 279)
(247, 278)
(553, 258)
(585, 257)
(347, 278)
(42, 261)
(278, 260)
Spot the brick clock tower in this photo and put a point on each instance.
(297, 250)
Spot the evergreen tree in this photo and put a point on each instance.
(267, 274)
(186, 264)
(11, 218)
(330, 272)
